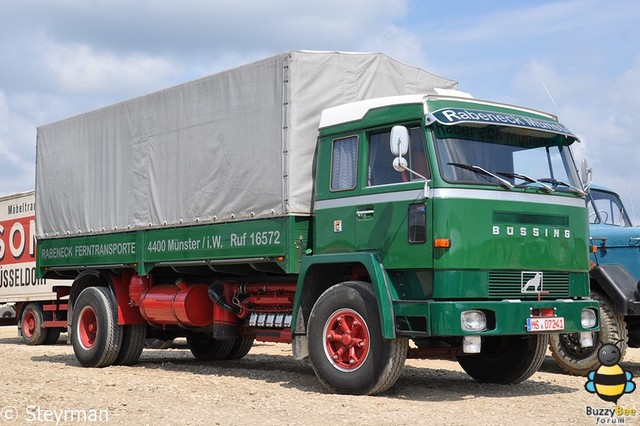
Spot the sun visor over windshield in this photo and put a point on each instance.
(452, 116)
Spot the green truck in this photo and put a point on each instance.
(359, 208)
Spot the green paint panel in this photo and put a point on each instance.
(223, 241)
(478, 240)
(108, 249)
(265, 238)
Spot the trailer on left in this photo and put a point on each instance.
(37, 306)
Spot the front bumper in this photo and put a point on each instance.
(505, 317)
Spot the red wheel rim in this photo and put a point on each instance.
(87, 327)
(29, 324)
(346, 340)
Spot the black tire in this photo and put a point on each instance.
(240, 348)
(134, 337)
(506, 359)
(206, 348)
(578, 361)
(53, 334)
(95, 334)
(7, 311)
(32, 321)
(376, 363)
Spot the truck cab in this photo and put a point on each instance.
(473, 231)
(612, 232)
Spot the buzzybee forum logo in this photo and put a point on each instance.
(609, 381)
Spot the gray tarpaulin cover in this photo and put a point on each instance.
(240, 142)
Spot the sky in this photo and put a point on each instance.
(578, 59)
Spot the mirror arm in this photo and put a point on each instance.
(426, 181)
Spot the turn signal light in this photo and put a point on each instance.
(442, 243)
(594, 248)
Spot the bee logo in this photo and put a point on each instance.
(609, 381)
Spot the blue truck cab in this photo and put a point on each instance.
(614, 282)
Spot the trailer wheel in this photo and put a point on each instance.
(53, 334)
(134, 337)
(506, 359)
(32, 319)
(346, 348)
(95, 334)
(206, 348)
(576, 360)
(241, 347)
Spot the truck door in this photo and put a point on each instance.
(392, 215)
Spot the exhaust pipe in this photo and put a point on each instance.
(216, 294)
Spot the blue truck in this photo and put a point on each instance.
(614, 282)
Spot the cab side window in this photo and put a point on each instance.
(380, 167)
(344, 159)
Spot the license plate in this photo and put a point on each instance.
(545, 324)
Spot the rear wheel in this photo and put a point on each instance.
(95, 334)
(206, 348)
(241, 347)
(576, 360)
(346, 348)
(134, 337)
(53, 334)
(506, 359)
(31, 321)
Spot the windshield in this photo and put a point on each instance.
(606, 208)
(505, 156)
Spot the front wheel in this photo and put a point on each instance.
(95, 334)
(506, 359)
(576, 360)
(346, 348)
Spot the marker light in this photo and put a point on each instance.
(442, 243)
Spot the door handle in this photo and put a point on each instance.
(364, 213)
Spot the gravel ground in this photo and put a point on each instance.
(43, 384)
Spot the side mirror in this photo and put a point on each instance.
(399, 140)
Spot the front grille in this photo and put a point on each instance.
(507, 285)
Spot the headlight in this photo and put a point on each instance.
(473, 321)
(588, 318)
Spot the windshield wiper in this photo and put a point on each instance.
(558, 182)
(480, 170)
(527, 179)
